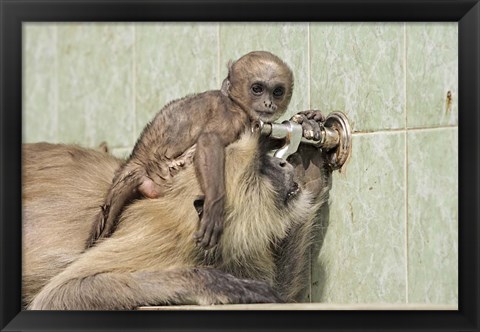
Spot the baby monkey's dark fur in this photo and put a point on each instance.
(199, 127)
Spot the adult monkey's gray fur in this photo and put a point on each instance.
(150, 258)
(259, 86)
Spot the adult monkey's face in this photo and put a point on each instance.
(262, 84)
(281, 175)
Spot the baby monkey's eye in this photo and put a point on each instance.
(278, 92)
(257, 89)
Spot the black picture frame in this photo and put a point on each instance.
(14, 12)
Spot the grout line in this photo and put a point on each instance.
(433, 127)
(218, 56)
(307, 306)
(406, 156)
(384, 131)
(134, 83)
(406, 217)
(401, 130)
(309, 100)
(56, 85)
(309, 67)
(405, 73)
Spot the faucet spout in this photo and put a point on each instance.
(335, 139)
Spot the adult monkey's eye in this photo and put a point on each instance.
(278, 92)
(257, 89)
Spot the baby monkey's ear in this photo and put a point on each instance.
(225, 86)
(226, 82)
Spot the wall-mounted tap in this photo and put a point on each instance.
(336, 137)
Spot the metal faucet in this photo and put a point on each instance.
(336, 137)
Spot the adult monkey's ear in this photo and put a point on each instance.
(226, 82)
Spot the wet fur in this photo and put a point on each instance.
(151, 259)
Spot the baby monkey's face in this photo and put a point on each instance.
(268, 99)
(263, 84)
(269, 91)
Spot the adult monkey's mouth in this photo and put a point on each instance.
(293, 192)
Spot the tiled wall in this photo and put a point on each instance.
(392, 228)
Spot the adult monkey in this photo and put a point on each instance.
(259, 86)
(150, 259)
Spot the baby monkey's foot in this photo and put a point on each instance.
(209, 233)
(211, 215)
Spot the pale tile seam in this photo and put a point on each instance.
(309, 67)
(306, 306)
(309, 76)
(23, 76)
(218, 55)
(433, 127)
(55, 80)
(400, 130)
(134, 82)
(406, 157)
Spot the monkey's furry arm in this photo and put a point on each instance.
(128, 290)
(210, 169)
(88, 286)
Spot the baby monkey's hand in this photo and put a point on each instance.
(311, 122)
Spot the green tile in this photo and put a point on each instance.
(172, 61)
(362, 257)
(433, 216)
(96, 83)
(122, 153)
(432, 72)
(39, 82)
(358, 68)
(289, 41)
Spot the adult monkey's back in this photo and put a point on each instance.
(150, 259)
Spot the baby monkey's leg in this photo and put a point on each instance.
(209, 164)
(129, 183)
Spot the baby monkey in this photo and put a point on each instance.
(197, 128)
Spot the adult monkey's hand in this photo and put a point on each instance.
(311, 122)
(311, 167)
